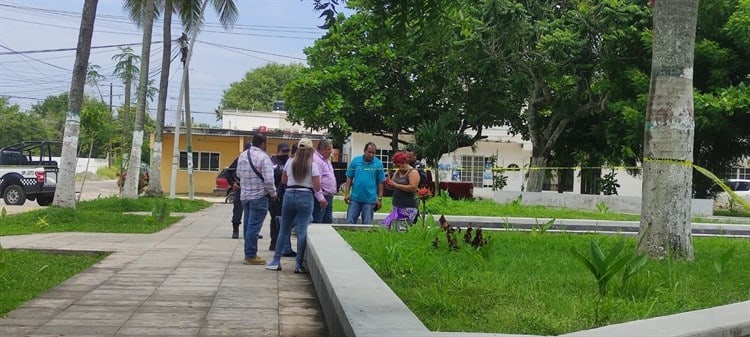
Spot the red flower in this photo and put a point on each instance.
(424, 194)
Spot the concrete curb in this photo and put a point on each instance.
(357, 303)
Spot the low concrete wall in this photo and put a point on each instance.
(357, 303)
(588, 202)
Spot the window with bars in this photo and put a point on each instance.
(738, 173)
(472, 170)
(202, 161)
(385, 157)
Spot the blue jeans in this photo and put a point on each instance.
(355, 208)
(255, 212)
(295, 211)
(321, 215)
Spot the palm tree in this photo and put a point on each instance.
(93, 77)
(190, 15)
(665, 229)
(65, 195)
(126, 69)
(130, 188)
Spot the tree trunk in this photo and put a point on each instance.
(154, 182)
(665, 229)
(65, 193)
(134, 161)
(125, 120)
(536, 173)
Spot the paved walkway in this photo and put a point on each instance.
(187, 280)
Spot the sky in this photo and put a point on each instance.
(38, 40)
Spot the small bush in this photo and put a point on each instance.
(106, 173)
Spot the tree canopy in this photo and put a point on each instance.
(260, 87)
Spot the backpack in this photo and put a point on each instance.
(423, 180)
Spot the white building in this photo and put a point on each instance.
(513, 154)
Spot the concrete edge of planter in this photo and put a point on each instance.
(357, 303)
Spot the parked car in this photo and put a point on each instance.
(741, 187)
(222, 187)
(27, 171)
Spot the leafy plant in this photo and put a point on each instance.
(498, 179)
(540, 229)
(517, 201)
(41, 223)
(721, 263)
(602, 207)
(602, 266)
(608, 183)
(159, 212)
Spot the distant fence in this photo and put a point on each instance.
(93, 164)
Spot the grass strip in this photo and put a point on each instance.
(523, 283)
(25, 274)
(103, 215)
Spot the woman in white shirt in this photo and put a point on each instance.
(302, 179)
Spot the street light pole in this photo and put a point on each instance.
(188, 52)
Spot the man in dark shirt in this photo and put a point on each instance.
(274, 206)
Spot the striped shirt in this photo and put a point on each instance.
(252, 187)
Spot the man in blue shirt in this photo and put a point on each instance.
(364, 179)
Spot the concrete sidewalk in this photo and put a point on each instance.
(187, 280)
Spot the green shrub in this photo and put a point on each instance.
(106, 173)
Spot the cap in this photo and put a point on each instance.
(305, 143)
(282, 147)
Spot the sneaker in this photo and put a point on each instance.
(289, 254)
(235, 235)
(273, 266)
(298, 270)
(256, 260)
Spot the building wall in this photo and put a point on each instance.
(228, 148)
(203, 181)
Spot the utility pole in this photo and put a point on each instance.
(189, 135)
(110, 97)
(187, 53)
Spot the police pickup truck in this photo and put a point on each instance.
(27, 171)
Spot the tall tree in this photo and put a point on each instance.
(189, 13)
(17, 126)
(130, 189)
(126, 69)
(260, 87)
(665, 229)
(386, 79)
(65, 194)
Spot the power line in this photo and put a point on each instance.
(250, 50)
(13, 52)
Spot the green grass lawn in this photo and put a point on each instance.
(99, 215)
(26, 274)
(443, 205)
(531, 284)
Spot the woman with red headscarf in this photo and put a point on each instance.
(404, 182)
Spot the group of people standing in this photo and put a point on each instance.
(366, 180)
(295, 187)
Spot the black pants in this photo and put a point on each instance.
(237, 213)
(274, 209)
